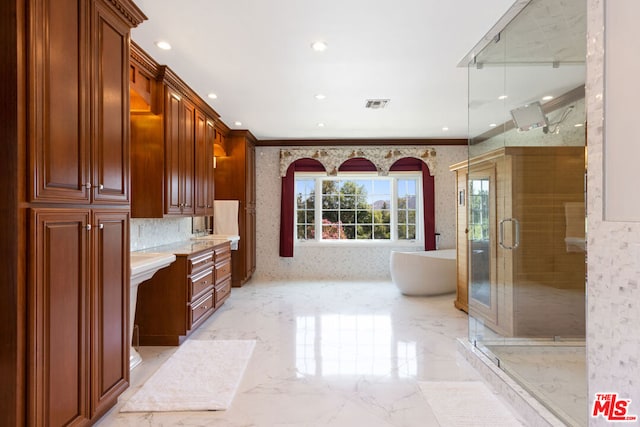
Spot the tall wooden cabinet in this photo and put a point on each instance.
(70, 225)
(236, 180)
(172, 139)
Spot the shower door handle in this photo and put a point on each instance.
(516, 241)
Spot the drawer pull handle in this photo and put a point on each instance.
(204, 307)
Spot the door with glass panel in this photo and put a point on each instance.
(481, 234)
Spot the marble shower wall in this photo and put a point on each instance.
(338, 262)
(613, 293)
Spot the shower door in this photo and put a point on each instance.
(526, 187)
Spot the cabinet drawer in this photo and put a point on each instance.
(200, 261)
(200, 282)
(223, 291)
(200, 308)
(223, 253)
(223, 271)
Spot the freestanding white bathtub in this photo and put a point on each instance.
(424, 272)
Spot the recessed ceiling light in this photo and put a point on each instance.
(547, 98)
(238, 123)
(320, 125)
(163, 45)
(319, 46)
(212, 96)
(444, 129)
(320, 96)
(501, 97)
(492, 125)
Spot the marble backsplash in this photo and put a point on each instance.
(148, 233)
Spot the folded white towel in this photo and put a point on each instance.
(225, 217)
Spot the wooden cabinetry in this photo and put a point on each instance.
(222, 274)
(60, 310)
(80, 310)
(462, 292)
(72, 178)
(74, 157)
(236, 180)
(204, 171)
(179, 132)
(172, 143)
(179, 298)
(522, 258)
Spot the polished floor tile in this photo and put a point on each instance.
(326, 354)
(555, 374)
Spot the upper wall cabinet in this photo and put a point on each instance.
(172, 143)
(73, 92)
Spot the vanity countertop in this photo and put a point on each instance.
(186, 247)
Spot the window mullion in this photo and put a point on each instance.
(394, 209)
(318, 209)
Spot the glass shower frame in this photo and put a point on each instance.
(517, 310)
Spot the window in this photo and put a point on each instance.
(358, 207)
(479, 209)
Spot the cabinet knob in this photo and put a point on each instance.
(87, 186)
(88, 227)
(204, 307)
(101, 226)
(101, 187)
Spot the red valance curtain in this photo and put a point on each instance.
(287, 208)
(428, 197)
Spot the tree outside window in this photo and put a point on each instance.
(357, 208)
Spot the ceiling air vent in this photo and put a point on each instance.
(376, 103)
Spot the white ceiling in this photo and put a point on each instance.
(256, 56)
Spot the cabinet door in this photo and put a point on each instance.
(58, 299)
(58, 99)
(172, 153)
(110, 106)
(110, 309)
(203, 165)
(187, 143)
(179, 148)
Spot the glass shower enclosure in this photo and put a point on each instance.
(526, 225)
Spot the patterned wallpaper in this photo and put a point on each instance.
(613, 291)
(338, 262)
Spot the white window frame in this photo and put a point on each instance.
(394, 241)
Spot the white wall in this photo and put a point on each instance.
(356, 263)
(613, 293)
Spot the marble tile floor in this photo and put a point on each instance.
(555, 374)
(327, 354)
